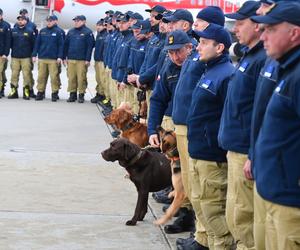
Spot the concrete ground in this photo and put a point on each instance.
(57, 192)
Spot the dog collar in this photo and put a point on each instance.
(136, 158)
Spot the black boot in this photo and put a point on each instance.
(73, 97)
(183, 241)
(32, 94)
(162, 196)
(2, 90)
(40, 96)
(97, 98)
(54, 96)
(192, 245)
(81, 98)
(184, 223)
(13, 93)
(165, 208)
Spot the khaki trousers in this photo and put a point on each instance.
(3, 67)
(209, 186)
(99, 70)
(107, 83)
(182, 146)
(282, 227)
(239, 205)
(167, 123)
(113, 92)
(47, 67)
(77, 78)
(18, 65)
(259, 221)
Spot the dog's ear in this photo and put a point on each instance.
(124, 118)
(160, 131)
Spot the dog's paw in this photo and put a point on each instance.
(130, 223)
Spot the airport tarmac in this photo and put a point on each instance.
(57, 193)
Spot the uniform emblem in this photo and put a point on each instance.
(26, 34)
(158, 78)
(269, 71)
(243, 66)
(53, 34)
(82, 34)
(279, 87)
(1, 30)
(206, 84)
(171, 39)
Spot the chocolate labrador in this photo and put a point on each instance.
(149, 170)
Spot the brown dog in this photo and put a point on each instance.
(148, 170)
(168, 145)
(131, 129)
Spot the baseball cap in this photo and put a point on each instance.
(176, 40)
(247, 10)
(282, 11)
(212, 14)
(122, 18)
(23, 11)
(51, 18)
(157, 8)
(144, 25)
(216, 32)
(79, 17)
(136, 16)
(21, 17)
(179, 14)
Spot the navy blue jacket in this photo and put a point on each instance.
(277, 150)
(79, 44)
(234, 134)
(265, 86)
(117, 42)
(122, 55)
(63, 33)
(22, 42)
(99, 45)
(136, 57)
(30, 25)
(147, 73)
(111, 47)
(206, 108)
(49, 44)
(191, 71)
(161, 100)
(5, 38)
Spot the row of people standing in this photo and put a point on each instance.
(232, 124)
(52, 48)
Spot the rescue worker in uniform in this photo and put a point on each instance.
(208, 164)
(5, 41)
(78, 49)
(98, 57)
(30, 25)
(192, 70)
(49, 50)
(275, 136)
(23, 39)
(234, 133)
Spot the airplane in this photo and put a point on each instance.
(95, 9)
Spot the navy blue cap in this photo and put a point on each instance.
(136, 16)
(79, 17)
(212, 14)
(110, 12)
(100, 22)
(144, 25)
(23, 11)
(165, 14)
(176, 40)
(116, 14)
(21, 17)
(122, 18)
(247, 10)
(157, 8)
(51, 18)
(180, 14)
(216, 32)
(283, 11)
(1, 12)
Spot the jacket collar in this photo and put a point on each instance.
(218, 60)
(290, 57)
